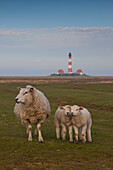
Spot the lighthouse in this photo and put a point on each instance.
(69, 65)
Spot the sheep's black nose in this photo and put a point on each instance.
(67, 113)
(71, 113)
(16, 100)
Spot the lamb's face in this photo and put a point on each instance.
(67, 110)
(25, 96)
(75, 110)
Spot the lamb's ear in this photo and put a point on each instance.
(61, 108)
(31, 89)
(69, 107)
(80, 108)
(19, 88)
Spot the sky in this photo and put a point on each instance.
(36, 37)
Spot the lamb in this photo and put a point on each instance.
(81, 119)
(63, 116)
(32, 107)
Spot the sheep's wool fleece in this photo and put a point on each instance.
(37, 112)
(61, 117)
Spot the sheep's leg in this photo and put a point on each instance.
(40, 138)
(76, 134)
(58, 132)
(89, 134)
(57, 129)
(29, 128)
(35, 131)
(71, 133)
(84, 134)
(80, 133)
(89, 131)
(63, 131)
(27, 131)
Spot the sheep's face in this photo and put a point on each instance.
(75, 110)
(25, 96)
(67, 110)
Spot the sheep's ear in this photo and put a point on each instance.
(81, 108)
(31, 89)
(69, 107)
(61, 108)
(19, 88)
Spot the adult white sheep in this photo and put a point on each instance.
(63, 117)
(81, 119)
(32, 107)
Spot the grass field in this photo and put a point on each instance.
(17, 153)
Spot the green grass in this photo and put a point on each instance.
(17, 153)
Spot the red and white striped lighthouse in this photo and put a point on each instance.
(70, 65)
